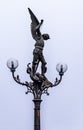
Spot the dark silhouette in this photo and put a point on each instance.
(39, 45)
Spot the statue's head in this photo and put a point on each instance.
(46, 36)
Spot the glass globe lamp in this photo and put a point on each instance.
(12, 64)
(61, 68)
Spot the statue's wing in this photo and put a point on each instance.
(35, 26)
(33, 18)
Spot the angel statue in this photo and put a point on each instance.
(39, 45)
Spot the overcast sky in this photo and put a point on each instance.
(63, 21)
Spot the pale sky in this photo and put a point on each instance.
(63, 21)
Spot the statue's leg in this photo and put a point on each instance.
(35, 63)
(43, 69)
(43, 65)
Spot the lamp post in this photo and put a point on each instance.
(40, 83)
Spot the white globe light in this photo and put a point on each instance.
(12, 63)
(61, 67)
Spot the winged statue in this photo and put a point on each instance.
(39, 45)
(35, 26)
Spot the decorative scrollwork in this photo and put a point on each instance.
(37, 88)
(45, 91)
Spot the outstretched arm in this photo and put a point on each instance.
(39, 25)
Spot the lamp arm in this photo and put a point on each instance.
(57, 81)
(28, 85)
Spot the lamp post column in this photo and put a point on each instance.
(37, 103)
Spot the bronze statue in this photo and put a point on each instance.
(39, 45)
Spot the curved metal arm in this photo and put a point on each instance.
(57, 81)
(44, 88)
(17, 79)
(28, 85)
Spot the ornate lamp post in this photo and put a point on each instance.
(40, 83)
